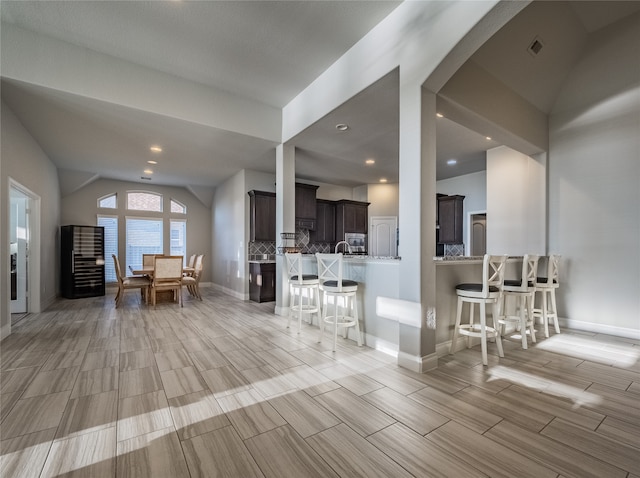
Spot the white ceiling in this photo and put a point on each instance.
(266, 51)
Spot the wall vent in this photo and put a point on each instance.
(535, 46)
(145, 178)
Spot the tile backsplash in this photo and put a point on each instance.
(454, 249)
(259, 249)
(266, 250)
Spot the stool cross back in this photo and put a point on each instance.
(334, 285)
(547, 286)
(489, 291)
(301, 286)
(523, 289)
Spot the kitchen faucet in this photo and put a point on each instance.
(346, 244)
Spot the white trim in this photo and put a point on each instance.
(231, 292)
(381, 345)
(416, 363)
(599, 328)
(6, 330)
(467, 246)
(33, 275)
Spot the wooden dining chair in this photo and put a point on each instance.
(167, 275)
(192, 282)
(124, 282)
(191, 264)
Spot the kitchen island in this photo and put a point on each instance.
(451, 271)
(376, 276)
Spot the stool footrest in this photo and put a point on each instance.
(343, 320)
(473, 330)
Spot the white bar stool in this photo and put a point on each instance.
(489, 291)
(301, 286)
(523, 290)
(332, 284)
(547, 287)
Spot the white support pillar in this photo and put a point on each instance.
(285, 214)
(417, 223)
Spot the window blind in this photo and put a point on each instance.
(144, 236)
(110, 224)
(178, 235)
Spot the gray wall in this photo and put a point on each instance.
(81, 207)
(594, 183)
(24, 161)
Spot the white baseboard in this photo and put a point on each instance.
(418, 364)
(381, 345)
(231, 292)
(599, 328)
(5, 331)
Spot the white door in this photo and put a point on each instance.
(19, 239)
(383, 241)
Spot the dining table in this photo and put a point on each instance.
(148, 271)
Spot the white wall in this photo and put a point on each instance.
(81, 207)
(515, 203)
(594, 184)
(229, 243)
(384, 199)
(474, 189)
(24, 161)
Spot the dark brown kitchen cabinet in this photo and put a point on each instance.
(306, 206)
(262, 216)
(325, 222)
(262, 282)
(450, 219)
(351, 216)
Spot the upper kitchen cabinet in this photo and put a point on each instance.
(325, 222)
(351, 216)
(262, 216)
(306, 206)
(450, 219)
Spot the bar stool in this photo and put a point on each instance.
(301, 285)
(547, 287)
(332, 284)
(523, 290)
(489, 291)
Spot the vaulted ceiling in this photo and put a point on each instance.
(266, 52)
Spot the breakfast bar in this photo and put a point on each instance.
(451, 271)
(376, 276)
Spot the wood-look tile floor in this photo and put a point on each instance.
(222, 388)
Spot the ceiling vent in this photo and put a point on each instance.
(145, 178)
(535, 47)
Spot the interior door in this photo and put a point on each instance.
(478, 234)
(383, 236)
(19, 239)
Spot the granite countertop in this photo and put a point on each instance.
(457, 258)
(466, 259)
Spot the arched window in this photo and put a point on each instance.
(178, 207)
(144, 201)
(108, 202)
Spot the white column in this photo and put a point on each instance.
(417, 223)
(285, 214)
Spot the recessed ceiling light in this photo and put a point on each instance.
(156, 149)
(342, 127)
(488, 138)
(383, 180)
(439, 115)
(151, 161)
(370, 161)
(147, 171)
(451, 162)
